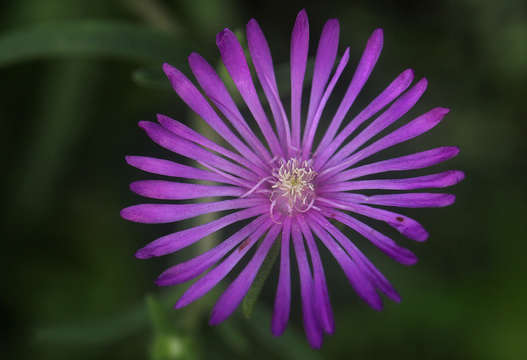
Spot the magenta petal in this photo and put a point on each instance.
(187, 133)
(365, 265)
(282, 304)
(400, 107)
(313, 331)
(170, 168)
(387, 245)
(168, 190)
(231, 298)
(236, 64)
(299, 50)
(191, 268)
(328, 146)
(412, 200)
(215, 89)
(405, 225)
(263, 64)
(408, 162)
(414, 128)
(206, 283)
(310, 135)
(320, 289)
(174, 143)
(362, 73)
(440, 180)
(360, 282)
(173, 242)
(324, 60)
(165, 213)
(195, 100)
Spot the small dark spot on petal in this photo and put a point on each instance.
(244, 244)
(399, 218)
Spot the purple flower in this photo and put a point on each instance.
(282, 186)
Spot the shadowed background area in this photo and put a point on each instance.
(77, 76)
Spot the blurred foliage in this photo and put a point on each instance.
(78, 75)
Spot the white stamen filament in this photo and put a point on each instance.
(258, 184)
(293, 186)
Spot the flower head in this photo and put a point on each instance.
(283, 187)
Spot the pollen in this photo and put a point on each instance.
(293, 187)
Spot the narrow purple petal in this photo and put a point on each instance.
(310, 136)
(412, 200)
(236, 64)
(173, 242)
(170, 168)
(327, 147)
(405, 225)
(231, 298)
(206, 283)
(400, 107)
(313, 331)
(319, 222)
(282, 304)
(324, 60)
(187, 133)
(414, 128)
(195, 100)
(174, 143)
(299, 50)
(440, 180)
(169, 190)
(263, 64)
(215, 89)
(358, 280)
(320, 289)
(408, 162)
(165, 213)
(362, 73)
(191, 268)
(384, 243)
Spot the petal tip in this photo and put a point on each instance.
(442, 111)
(213, 321)
(277, 330)
(221, 36)
(301, 19)
(422, 236)
(449, 199)
(332, 24)
(454, 150)
(379, 33)
(409, 73)
(460, 175)
(179, 304)
(410, 261)
(168, 69)
(127, 213)
(129, 159)
(143, 254)
(143, 124)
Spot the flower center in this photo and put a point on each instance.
(293, 187)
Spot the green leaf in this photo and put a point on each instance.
(258, 283)
(95, 38)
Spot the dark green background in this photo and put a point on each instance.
(72, 95)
